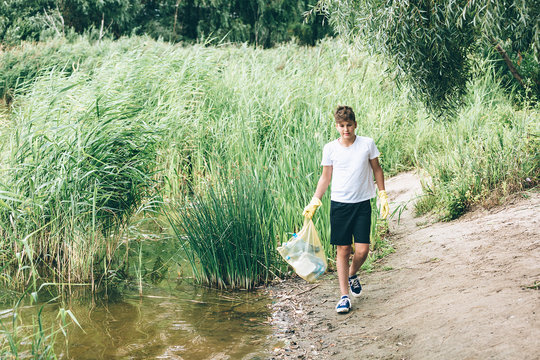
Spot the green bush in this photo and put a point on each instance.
(485, 154)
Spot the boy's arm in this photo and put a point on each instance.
(324, 181)
(379, 178)
(378, 173)
(322, 185)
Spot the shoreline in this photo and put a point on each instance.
(451, 290)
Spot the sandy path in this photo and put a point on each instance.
(454, 290)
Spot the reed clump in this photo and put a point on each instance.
(228, 232)
(86, 147)
(71, 185)
(483, 156)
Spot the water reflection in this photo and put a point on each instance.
(186, 323)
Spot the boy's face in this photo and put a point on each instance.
(346, 128)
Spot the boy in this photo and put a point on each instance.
(352, 161)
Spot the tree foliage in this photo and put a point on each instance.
(116, 16)
(22, 20)
(259, 22)
(430, 43)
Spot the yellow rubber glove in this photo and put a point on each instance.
(385, 209)
(310, 209)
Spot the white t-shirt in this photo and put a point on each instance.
(352, 175)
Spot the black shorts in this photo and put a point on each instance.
(348, 220)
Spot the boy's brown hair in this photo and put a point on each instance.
(344, 113)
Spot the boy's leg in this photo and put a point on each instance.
(360, 255)
(342, 263)
(361, 233)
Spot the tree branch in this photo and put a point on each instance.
(51, 23)
(101, 27)
(175, 19)
(507, 60)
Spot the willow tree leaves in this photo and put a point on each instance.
(429, 43)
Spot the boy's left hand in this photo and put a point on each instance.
(385, 209)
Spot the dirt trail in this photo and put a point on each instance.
(455, 290)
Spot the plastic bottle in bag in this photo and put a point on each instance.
(309, 264)
(304, 252)
(320, 267)
(294, 248)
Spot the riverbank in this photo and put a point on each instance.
(452, 290)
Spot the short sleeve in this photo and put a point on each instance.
(373, 151)
(326, 158)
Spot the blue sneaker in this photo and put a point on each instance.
(343, 305)
(355, 286)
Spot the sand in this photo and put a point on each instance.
(465, 289)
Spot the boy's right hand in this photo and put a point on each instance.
(310, 209)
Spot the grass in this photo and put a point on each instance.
(34, 337)
(483, 156)
(227, 232)
(72, 183)
(86, 148)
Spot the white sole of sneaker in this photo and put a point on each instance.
(342, 311)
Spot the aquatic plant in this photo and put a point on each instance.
(84, 148)
(70, 184)
(35, 337)
(228, 231)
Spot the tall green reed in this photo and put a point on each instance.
(228, 231)
(484, 155)
(26, 333)
(71, 186)
(233, 108)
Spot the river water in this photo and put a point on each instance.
(170, 321)
(182, 322)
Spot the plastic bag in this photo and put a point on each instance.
(305, 253)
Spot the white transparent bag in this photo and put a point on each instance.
(305, 253)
